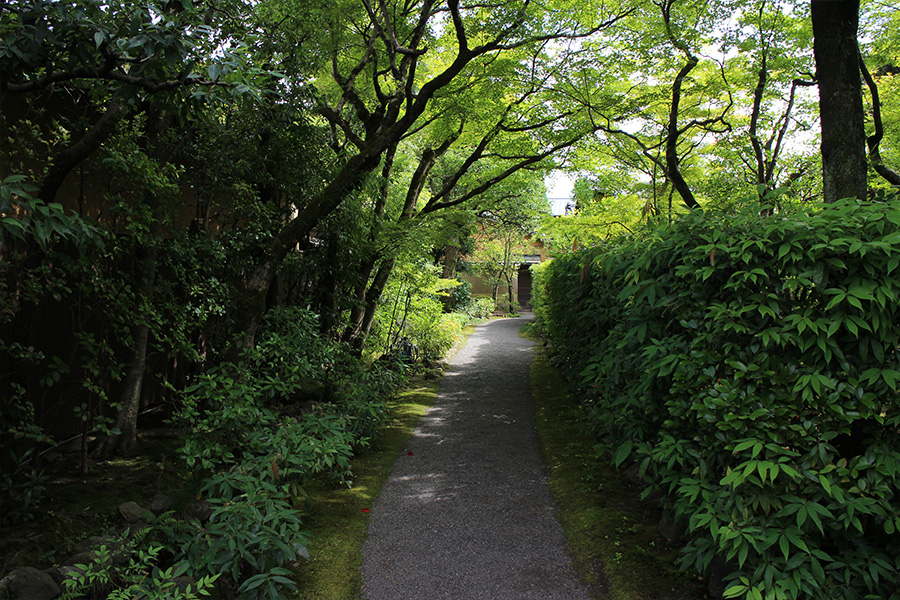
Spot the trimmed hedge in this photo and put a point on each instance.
(749, 364)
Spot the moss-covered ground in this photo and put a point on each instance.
(338, 517)
(612, 533)
(76, 505)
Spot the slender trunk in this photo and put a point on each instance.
(251, 304)
(389, 339)
(85, 430)
(328, 288)
(360, 295)
(130, 399)
(363, 314)
(362, 327)
(361, 291)
(448, 271)
(673, 166)
(835, 24)
(761, 80)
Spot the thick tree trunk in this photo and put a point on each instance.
(835, 24)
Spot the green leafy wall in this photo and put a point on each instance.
(748, 364)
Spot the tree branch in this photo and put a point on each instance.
(873, 141)
(80, 150)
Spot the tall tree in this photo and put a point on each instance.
(835, 24)
(381, 85)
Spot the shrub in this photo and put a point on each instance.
(133, 566)
(21, 488)
(482, 308)
(461, 297)
(750, 365)
(252, 461)
(434, 333)
(539, 302)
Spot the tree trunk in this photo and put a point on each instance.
(126, 422)
(448, 271)
(251, 304)
(130, 399)
(673, 133)
(328, 290)
(835, 24)
(72, 156)
(359, 330)
(673, 167)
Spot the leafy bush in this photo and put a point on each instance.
(482, 308)
(461, 299)
(750, 365)
(539, 301)
(423, 324)
(132, 567)
(21, 488)
(252, 534)
(297, 406)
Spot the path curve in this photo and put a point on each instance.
(468, 515)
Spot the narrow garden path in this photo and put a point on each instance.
(466, 513)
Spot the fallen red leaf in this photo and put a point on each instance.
(409, 453)
(365, 510)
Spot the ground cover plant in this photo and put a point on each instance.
(748, 364)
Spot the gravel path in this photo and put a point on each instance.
(467, 515)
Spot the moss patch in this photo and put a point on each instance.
(337, 517)
(612, 533)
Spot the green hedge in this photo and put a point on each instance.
(749, 365)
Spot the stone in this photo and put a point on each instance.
(80, 558)
(28, 583)
(632, 473)
(133, 513)
(669, 529)
(652, 495)
(197, 509)
(88, 545)
(183, 582)
(719, 569)
(52, 457)
(161, 503)
(87, 549)
(60, 573)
